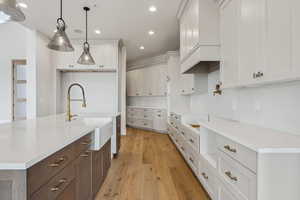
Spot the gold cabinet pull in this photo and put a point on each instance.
(86, 142)
(182, 133)
(58, 162)
(228, 173)
(192, 141)
(60, 183)
(227, 147)
(204, 176)
(86, 154)
(191, 160)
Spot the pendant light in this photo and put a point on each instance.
(60, 40)
(86, 57)
(9, 11)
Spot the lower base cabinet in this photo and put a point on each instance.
(73, 173)
(83, 165)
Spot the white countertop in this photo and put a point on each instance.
(261, 140)
(24, 143)
(147, 107)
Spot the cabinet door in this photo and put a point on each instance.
(295, 39)
(251, 40)
(68, 193)
(105, 55)
(194, 10)
(278, 39)
(97, 171)
(161, 89)
(229, 42)
(187, 84)
(84, 176)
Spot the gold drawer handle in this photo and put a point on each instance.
(192, 141)
(228, 173)
(58, 162)
(182, 149)
(57, 187)
(182, 133)
(204, 176)
(86, 142)
(227, 147)
(86, 154)
(191, 160)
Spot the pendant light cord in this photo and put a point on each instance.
(86, 25)
(61, 9)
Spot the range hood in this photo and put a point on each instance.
(206, 57)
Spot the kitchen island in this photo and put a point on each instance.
(52, 158)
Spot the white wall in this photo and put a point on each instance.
(274, 106)
(101, 92)
(13, 40)
(46, 78)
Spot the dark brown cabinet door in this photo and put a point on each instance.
(107, 158)
(97, 171)
(118, 133)
(68, 193)
(84, 176)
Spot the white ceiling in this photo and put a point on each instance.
(128, 20)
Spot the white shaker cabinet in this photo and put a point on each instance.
(259, 41)
(229, 23)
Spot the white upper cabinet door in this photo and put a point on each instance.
(64, 59)
(278, 39)
(295, 38)
(229, 12)
(251, 35)
(105, 55)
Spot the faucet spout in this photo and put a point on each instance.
(70, 116)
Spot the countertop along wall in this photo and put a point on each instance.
(273, 106)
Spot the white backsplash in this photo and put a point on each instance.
(273, 106)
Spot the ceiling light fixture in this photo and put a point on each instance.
(22, 5)
(142, 47)
(60, 40)
(151, 32)
(152, 9)
(9, 11)
(98, 32)
(86, 57)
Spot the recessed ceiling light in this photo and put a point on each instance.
(98, 32)
(151, 32)
(22, 5)
(152, 9)
(142, 47)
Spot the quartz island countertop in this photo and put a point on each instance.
(24, 143)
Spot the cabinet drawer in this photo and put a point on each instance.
(225, 194)
(241, 179)
(208, 178)
(192, 158)
(192, 138)
(242, 154)
(83, 144)
(40, 173)
(147, 115)
(56, 186)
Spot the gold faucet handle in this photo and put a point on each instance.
(84, 105)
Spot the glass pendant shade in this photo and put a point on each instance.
(60, 40)
(10, 12)
(86, 57)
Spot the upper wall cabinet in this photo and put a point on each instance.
(105, 55)
(199, 33)
(149, 81)
(260, 41)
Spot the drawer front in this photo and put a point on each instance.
(192, 138)
(192, 158)
(83, 144)
(147, 115)
(242, 154)
(147, 123)
(208, 179)
(56, 186)
(225, 194)
(241, 179)
(40, 173)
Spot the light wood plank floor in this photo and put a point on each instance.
(150, 168)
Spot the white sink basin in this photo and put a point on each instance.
(103, 130)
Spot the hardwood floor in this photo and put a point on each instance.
(150, 168)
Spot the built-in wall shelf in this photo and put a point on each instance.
(88, 69)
